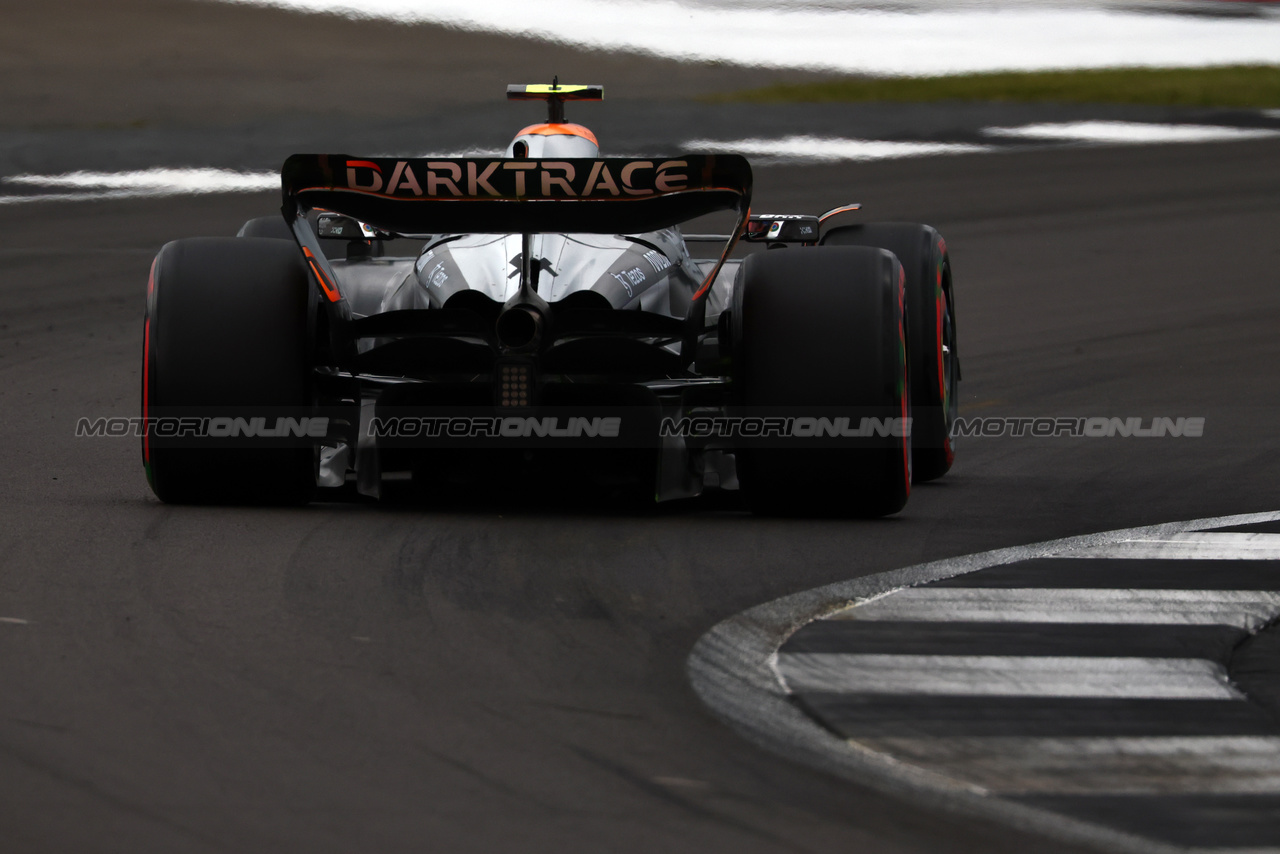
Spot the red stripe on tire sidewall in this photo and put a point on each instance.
(146, 366)
(906, 390)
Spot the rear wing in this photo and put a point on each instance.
(500, 195)
(506, 196)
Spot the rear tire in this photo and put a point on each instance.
(226, 330)
(822, 331)
(273, 227)
(935, 364)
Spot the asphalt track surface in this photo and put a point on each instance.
(507, 675)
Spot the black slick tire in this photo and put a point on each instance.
(820, 332)
(935, 363)
(273, 227)
(226, 331)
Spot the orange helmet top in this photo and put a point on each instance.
(555, 139)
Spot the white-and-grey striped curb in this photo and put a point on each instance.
(737, 670)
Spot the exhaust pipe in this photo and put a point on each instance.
(519, 328)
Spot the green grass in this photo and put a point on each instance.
(1245, 86)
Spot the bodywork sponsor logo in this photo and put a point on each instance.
(657, 260)
(437, 277)
(629, 279)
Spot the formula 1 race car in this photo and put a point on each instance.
(548, 320)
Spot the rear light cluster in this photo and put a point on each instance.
(515, 384)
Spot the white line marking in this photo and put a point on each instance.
(1095, 766)
(1129, 132)
(1006, 676)
(17, 621)
(158, 180)
(862, 41)
(1197, 545)
(1246, 609)
(144, 183)
(817, 149)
